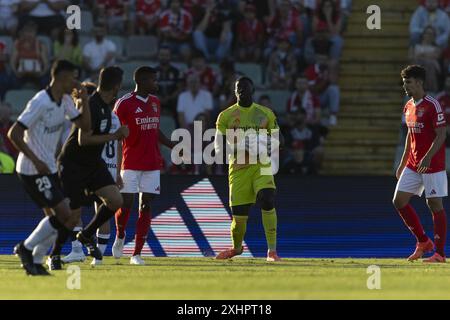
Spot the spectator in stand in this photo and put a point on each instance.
(196, 8)
(284, 23)
(170, 81)
(175, 29)
(5, 74)
(320, 43)
(250, 36)
(192, 102)
(303, 98)
(8, 16)
(115, 15)
(282, 65)
(445, 59)
(98, 53)
(304, 147)
(5, 124)
(265, 101)
(213, 35)
(265, 9)
(67, 47)
(147, 16)
(48, 15)
(208, 77)
(29, 58)
(321, 84)
(427, 54)
(328, 16)
(427, 15)
(228, 78)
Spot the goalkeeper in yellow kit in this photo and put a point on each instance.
(250, 181)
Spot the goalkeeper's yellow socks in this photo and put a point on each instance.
(238, 229)
(269, 218)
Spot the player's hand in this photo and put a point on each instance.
(41, 167)
(119, 182)
(122, 133)
(424, 165)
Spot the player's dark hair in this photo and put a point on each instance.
(109, 78)
(245, 78)
(60, 66)
(414, 71)
(143, 72)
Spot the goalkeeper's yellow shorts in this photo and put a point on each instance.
(246, 183)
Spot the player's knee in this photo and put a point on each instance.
(435, 204)
(266, 199)
(399, 202)
(115, 202)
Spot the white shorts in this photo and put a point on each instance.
(135, 181)
(434, 184)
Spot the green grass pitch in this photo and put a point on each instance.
(240, 278)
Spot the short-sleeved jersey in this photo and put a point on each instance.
(109, 153)
(422, 118)
(43, 119)
(140, 150)
(254, 117)
(89, 155)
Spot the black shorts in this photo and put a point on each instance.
(45, 190)
(80, 182)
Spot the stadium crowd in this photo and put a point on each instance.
(290, 48)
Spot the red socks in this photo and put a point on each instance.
(440, 231)
(142, 227)
(412, 221)
(122, 216)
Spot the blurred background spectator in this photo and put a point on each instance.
(48, 15)
(427, 53)
(430, 14)
(29, 58)
(175, 29)
(8, 16)
(98, 53)
(192, 102)
(170, 82)
(213, 36)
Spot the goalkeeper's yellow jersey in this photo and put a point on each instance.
(254, 117)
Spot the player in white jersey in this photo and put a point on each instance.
(36, 134)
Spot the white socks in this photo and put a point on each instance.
(43, 230)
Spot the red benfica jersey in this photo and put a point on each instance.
(422, 119)
(140, 150)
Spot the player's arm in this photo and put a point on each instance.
(89, 139)
(16, 135)
(80, 97)
(165, 141)
(441, 133)
(404, 156)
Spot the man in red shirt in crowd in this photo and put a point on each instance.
(147, 15)
(141, 157)
(423, 165)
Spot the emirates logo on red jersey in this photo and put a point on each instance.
(420, 112)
